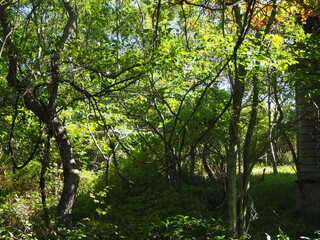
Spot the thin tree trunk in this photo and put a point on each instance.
(232, 154)
(248, 155)
(192, 163)
(206, 167)
(233, 151)
(232, 185)
(272, 151)
(273, 157)
(42, 182)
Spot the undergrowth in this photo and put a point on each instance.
(155, 211)
(274, 200)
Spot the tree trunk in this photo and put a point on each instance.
(232, 154)
(192, 163)
(271, 141)
(206, 167)
(248, 161)
(42, 182)
(70, 174)
(70, 170)
(232, 184)
(273, 157)
(47, 114)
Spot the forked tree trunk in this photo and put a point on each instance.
(70, 170)
(47, 114)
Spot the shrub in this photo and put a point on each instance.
(186, 227)
(91, 230)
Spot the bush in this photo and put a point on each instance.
(186, 227)
(14, 219)
(91, 230)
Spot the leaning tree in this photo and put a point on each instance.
(57, 53)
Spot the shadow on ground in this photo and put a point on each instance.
(274, 201)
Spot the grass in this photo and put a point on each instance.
(138, 212)
(274, 199)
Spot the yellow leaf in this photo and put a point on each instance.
(206, 37)
(277, 41)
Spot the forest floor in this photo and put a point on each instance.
(154, 211)
(274, 201)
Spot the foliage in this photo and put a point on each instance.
(186, 227)
(160, 101)
(162, 212)
(89, 229)
(15, 216)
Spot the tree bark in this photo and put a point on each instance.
(192, 163)
(232, 182)
(70, 174)
(232, 154)
(271, 141)
(206, 167)
(42, 182)
(248, 161)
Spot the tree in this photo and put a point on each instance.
(48, 55)
(163, 85)
(24, 82)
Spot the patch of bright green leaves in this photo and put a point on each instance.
(186, 227)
